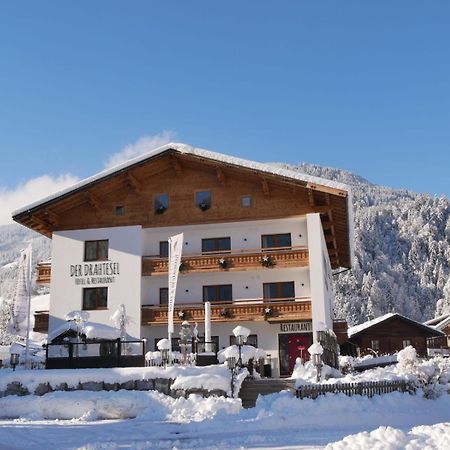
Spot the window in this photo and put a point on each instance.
(219, 245)
(95, 298)
(96, 250)
(161, 203)
(375, 344)
(203, 200)
(251, 340)
(217, 293)
(246, 201)
(276, 240)
(406, 342)
(120, 210)
(284, 290)
(164, 249)
(163, 296)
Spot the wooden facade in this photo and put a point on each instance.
(392, 335)
(180, 176)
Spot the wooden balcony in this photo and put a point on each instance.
(44, 270)
(41, 322)
(257, 310)
(243, 260)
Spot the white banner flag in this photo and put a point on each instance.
(21, 302)
(175, 250)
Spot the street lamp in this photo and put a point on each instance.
(164, 347)
(316, 351)
(15, 351)
(185, 338)
(241, 333)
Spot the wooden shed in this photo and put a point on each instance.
(389, 334)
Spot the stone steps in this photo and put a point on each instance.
(250, 389)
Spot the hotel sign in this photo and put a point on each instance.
(296, 327)
(94, 273)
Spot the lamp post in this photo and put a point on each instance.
(316, 351)
(241, 333)
(185, 337)
(15, 352)
(231, 365)
(164, 347)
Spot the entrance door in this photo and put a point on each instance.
(291, 347)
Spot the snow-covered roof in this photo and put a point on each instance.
(352, 331)
(439, 322)
(187, 149)
(91, 330)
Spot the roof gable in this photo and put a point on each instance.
(361, 328)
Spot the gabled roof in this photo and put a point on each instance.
(311, 181)
(439, 323)
(41, 216)
(357, 329)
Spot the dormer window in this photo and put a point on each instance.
(203, 200)
(161, 203)
(120, 210)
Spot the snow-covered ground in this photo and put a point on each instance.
(141, 420)
(145, 420)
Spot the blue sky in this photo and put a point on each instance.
(363, 86)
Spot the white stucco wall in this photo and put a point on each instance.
(320, 275)
(245, 284)
(66, 294)
(244, 235)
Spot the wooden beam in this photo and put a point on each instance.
(265, 187)
(134, 183)
(93, 200)
(53, 218)
(41, 222)
(176, 165)
(220, 176)
(311, 197)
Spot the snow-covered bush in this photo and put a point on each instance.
(307, 372)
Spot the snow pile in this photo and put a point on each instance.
(388, 438)
(30, 379)
(247, 352)
(307, 373)
(206, 381)
(90, 406)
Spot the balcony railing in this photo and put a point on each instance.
(43, 272)
(236, 260)
(279, 310)
(212, 262)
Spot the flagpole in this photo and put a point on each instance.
(27, 345)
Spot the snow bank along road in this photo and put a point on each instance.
(141, 420)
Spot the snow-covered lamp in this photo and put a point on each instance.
(164, 347)
(241, 333)
(15, 352)
(316, 351)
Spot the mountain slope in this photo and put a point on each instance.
(402, 251)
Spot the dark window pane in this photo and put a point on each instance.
(163, 296)
(218, 293)
(161, 203)
(222, 244)
(120, 210)
(95, 298)
(96, 250)
(203, 200)
(246, 201)
(283, 290)
(276, 240)
(164, 249)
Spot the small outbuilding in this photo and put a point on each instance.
(440, 345)
(389, 334)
